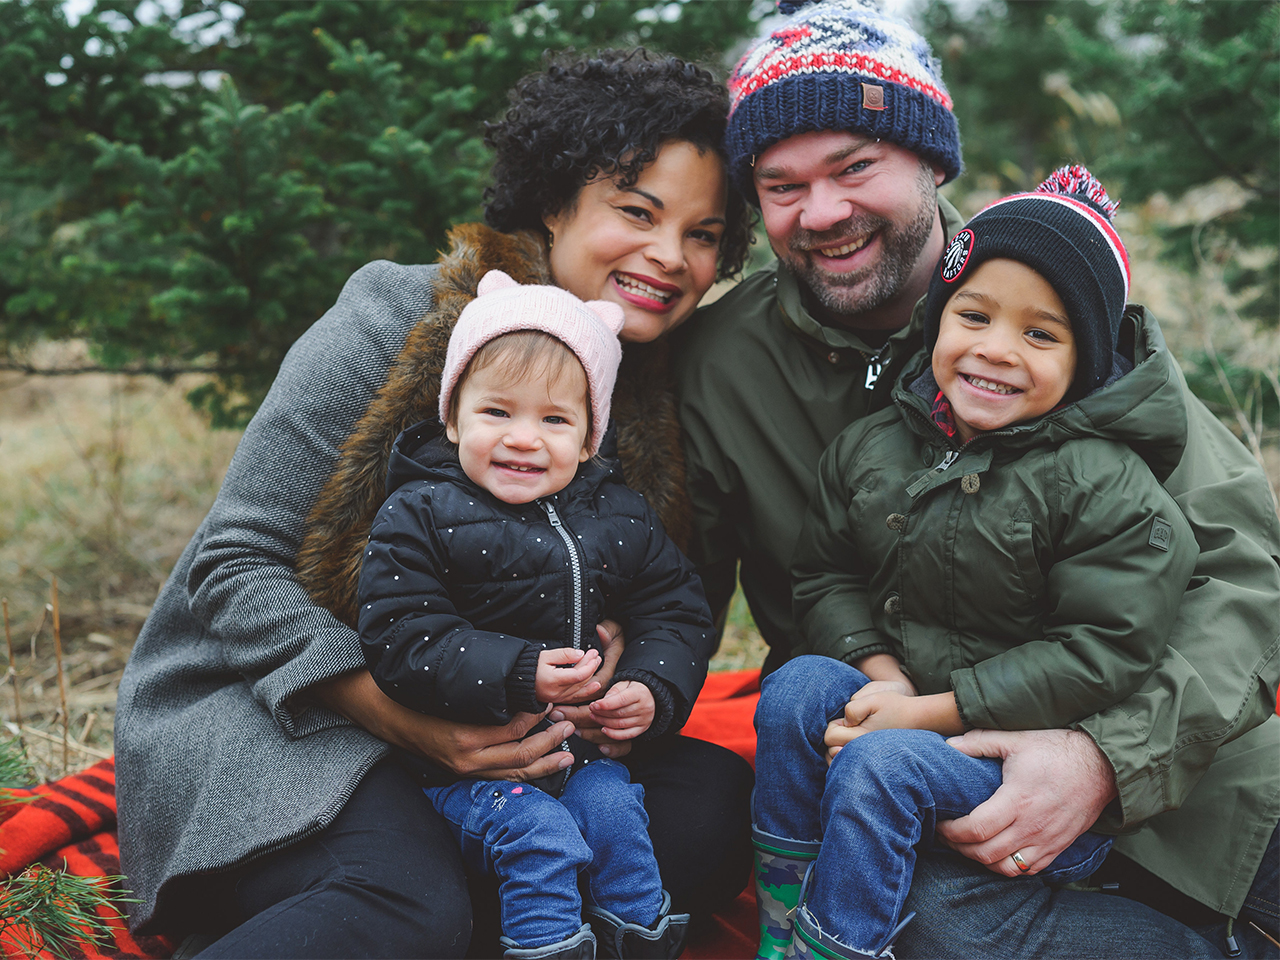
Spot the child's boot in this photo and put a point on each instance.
(630, 941)
(581, 946)
(780, 870)
(811, 942)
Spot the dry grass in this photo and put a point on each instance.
(105, 479)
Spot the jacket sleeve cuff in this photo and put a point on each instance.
(969, 701)
(664, 702)
(520, 695)
(857, 652)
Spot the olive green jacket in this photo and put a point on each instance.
(760, 399)
(1036, 570)
(764, 388)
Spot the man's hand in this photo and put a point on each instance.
(466, 750)
(626, 711)
(612, 643)
(1056, 785)
(565, 675)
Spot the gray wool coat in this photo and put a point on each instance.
(218, 758)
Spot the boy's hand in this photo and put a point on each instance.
(881, 705)
(885, 667)
(566, 674)
(626, 711)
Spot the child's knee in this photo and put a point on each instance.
(805, 687)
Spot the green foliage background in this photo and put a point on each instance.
(189, 184)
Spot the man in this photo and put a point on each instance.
(841, 131)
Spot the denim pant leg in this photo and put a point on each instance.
(530, 842)
(609, 810)
(796, 704)
(885, 792)
(966, 912)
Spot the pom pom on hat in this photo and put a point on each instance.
(840, 65)
(503, 306)
(1063, 231)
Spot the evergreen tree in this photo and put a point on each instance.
(193, 189)
(1153, 95)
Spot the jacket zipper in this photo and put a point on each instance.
(575, 564)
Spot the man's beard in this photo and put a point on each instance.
(849, 294)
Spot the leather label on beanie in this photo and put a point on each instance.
(957, 255)
(872, 97)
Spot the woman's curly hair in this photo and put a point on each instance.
(608, 114)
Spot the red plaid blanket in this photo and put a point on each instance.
(73, 822)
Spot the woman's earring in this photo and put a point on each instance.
(551, 240)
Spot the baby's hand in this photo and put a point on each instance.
(626, 711)
(565, 675)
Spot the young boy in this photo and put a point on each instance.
(503, 542)
(994, 551)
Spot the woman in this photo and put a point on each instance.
(255, 789)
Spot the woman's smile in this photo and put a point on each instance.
(650, 247)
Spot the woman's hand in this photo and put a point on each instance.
(466, 750)
(626, 711)
(612, 643)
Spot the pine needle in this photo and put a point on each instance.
(58, 912)
(15, 770)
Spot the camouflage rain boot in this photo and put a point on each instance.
(780, 870)
(810, 942)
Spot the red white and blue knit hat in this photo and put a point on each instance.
(1062, 231)
(839, 65)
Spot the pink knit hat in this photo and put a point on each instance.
(503, 306)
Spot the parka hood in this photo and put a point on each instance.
(1145, 409)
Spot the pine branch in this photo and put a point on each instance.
(58, 912)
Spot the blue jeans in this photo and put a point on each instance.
(537, 845)
(873, 807)
(963, 911)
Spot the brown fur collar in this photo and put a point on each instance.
(644, 411)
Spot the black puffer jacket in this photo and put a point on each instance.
(460, 592)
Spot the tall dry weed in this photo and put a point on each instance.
(104, 480)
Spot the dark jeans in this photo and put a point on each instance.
(965, 911)
(386, 878)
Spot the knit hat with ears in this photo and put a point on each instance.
(503, 306)
(1063, 232)
(839, 65)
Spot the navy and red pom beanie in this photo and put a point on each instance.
(1062, 231)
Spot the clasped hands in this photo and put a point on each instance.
(569, 679)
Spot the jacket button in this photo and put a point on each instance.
(896, 522)
(893, 605)
(969, 483)
(927, 456)
(833, 357)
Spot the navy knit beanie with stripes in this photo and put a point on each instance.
(1063, 232)
(841, 65)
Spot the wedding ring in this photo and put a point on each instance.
(1018, 862)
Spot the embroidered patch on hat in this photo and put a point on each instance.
(957, 255)
(1161, 534)
(872, 97)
